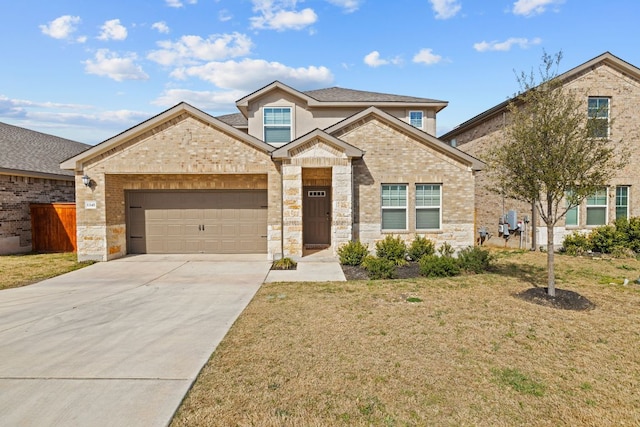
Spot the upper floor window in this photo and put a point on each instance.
(277, 125)
(415, 118)
(599, 116)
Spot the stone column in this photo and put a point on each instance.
(342, 206)
(292, 210)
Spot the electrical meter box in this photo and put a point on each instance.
(512, 220)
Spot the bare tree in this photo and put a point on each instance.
(553, 155)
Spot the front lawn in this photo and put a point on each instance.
(21, 270)
(457, 351)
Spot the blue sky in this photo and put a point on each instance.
(87, 70)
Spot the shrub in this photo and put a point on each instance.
(392, 248)
(629, 232)
(576, 243)
(605, 239)
(438, 266)
(446, 250)
(474, 259)
(352, 253)
(379, 268)
(420, 247)
(284, 264)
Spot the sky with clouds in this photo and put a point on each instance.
(88, 70)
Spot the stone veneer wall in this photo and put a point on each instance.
(602, 81)
(16, 194)
(395, 157)
(183, 153)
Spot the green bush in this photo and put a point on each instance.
(474, 259)
(284, 264)
(379, 268)
(438, 266)
(419, 247)
(446, 250)
(629, 231)
(352, 253)
(576, 243)
(606, 239)
(392, 248)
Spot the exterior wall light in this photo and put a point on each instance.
(86, 180)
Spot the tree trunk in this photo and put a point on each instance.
(534, 226)
(551, 277)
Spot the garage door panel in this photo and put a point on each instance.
(197, 221)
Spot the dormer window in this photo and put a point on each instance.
(277, 125)
(415, 119)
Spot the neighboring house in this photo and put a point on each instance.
(610, 88)
(292, 171)
(30, 173)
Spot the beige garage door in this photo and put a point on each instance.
(176, 222)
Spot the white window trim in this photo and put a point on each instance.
(439, 207)
(608, 119)
(577, 208)
(264, 125)
(628, 188)
(605, 206)
(406, 209)
(421, 120)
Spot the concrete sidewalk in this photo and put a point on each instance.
(117, 343)
(320, 266)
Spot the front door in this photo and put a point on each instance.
(316, 214)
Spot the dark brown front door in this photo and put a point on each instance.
(316, 214)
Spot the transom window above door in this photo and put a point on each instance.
(277, 125)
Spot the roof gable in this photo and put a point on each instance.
(172, 113)
(296, 147)
(423, 137)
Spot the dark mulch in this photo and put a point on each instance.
(409, 271)
(565, 300)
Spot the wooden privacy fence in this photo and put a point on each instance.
(53, 227)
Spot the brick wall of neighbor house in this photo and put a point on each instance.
(394, 157)
(602, 80)
(16, 193)
(181, 154)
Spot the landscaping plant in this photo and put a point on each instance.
(352, 253)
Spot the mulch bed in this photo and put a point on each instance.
(409, 271)
(565, 300)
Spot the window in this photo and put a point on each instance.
(394, 207)
(622, 202)
(599, 117)
(597, 208)
(428, 206)
(277, 125)
(415, 118)
(571, 217)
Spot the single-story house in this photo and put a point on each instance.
(291, 171)
(610, 90)
(30, 173)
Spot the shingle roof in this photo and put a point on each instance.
(28, 151)
(338, 94)
(235, 120)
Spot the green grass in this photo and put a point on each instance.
(21, 270)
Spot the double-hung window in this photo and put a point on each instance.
(428, 206)
(598, 111)
(277, 125)
(622, 202)
(416, 118)
(394, 206)
(571, 217)
(597, 207)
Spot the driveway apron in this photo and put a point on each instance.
(117, 343)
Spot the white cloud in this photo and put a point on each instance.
(191, 49)
(373, 60)
(119, 68)
(348, 5)
(445, 9)
(62, 28)
(248, 74)
(533, 7)
(209, 100)
(161, 27)
(427, 57)
(506, 45)
(179, 3)
(224, 15)
(281, 15)
(113, 30)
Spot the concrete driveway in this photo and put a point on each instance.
(117, 343)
